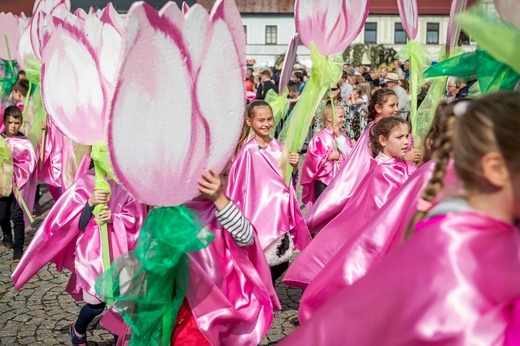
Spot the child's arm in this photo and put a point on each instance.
(227, 213)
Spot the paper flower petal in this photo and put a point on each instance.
(288, 62)
(111, 17)
(185, 8)
(509, 10)
(457, 6)
(221, 100)
(24, 47)
(172, 11)
(150, 131)
(194, 32)
(227, 11)
(409, 16)
(331, 25)
(9, 28)
(77, 105)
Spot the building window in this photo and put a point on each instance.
(245, 31)
(432, 33)
(399, 35)
(370, 32)
(271, 34)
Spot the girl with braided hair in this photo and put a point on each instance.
(455, 281)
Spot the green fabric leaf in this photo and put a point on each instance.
(325, 70)
(420, 60)
(149, 284)
(279, 105)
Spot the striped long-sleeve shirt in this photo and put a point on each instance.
(236, 224)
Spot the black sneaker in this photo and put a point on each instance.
(74, 339)
(17, 255)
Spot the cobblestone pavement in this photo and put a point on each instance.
(41, 312)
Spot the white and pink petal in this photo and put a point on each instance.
(151, 134)
(77, 105)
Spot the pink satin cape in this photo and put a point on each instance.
(452, 284)
(24, 171)
(372, 241)
(59, 240)
(342, 187)
(383, 181)
(317, 167)
(51, 168)
(230, 291)
(258, 189)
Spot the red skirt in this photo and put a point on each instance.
(186, 332)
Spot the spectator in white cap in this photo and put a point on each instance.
(392, 80)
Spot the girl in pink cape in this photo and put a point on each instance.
(388, 143)
(384, 231)
(24, 179)
(230, 297)
(258, 188)
(326, 154)
(457, 279)
(357, 165)
(70, 238)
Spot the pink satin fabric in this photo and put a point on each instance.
(230, 291)
(342, 187)
(51, 169)
(24, 171)
(382, 182)
(258, 189)
(59, 240)
(453, 283)
(317, 167)
(371, 242)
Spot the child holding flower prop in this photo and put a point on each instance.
(326, 28)
(190, 276)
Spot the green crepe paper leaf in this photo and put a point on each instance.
(32, 69)
(279, 104)
(492, 74)
(102, 168)
(6, 168)
(325, 70)
(420, 60)
(426, 110)
(493, 35)
(149, 284)
(9, 77)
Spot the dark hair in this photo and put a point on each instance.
(380, 97)
(22, 85)
(21, 73)
(266, 73)
(13, 111)
(488, 124)
(383, 128)
(249, 113)
(298, 74)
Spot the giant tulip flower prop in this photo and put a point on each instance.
(418, 56)
(167, 124)
(326, 28)
(80, 56)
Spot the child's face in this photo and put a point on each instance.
(390, 107)
(17, 96)
(12, 126)
(396, 144)
(340, 116)
(262, 121)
